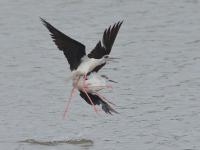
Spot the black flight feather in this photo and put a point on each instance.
(72, 49)
(98, 101)
(108, 39)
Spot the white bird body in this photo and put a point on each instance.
(88, 64)
(93, 84)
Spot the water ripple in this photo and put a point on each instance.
(82, 142)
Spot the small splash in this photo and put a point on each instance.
(83, 142)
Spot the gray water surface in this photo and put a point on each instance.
(158, 73)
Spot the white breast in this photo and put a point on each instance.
(88, 64)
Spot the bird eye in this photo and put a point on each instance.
(106, 56)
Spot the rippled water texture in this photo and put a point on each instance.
(158, 75)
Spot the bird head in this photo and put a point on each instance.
(106, 56)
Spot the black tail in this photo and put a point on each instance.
(98, 101)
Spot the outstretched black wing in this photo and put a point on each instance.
(109, 37)
(73, 50)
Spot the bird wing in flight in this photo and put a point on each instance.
(72, 49)
(98, 101)
(109, 37)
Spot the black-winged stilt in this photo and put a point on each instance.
(83, 65)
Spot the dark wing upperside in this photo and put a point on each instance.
(98, 101)
(94, 98)
(109, 37)
(72, 49)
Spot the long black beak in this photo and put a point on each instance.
(113, 59)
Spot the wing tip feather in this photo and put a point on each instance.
(44, 22)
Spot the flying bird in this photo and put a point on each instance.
(82, 65)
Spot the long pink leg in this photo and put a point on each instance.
(68, 103)
(84, 85)
(103, 98)
(95, 109)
